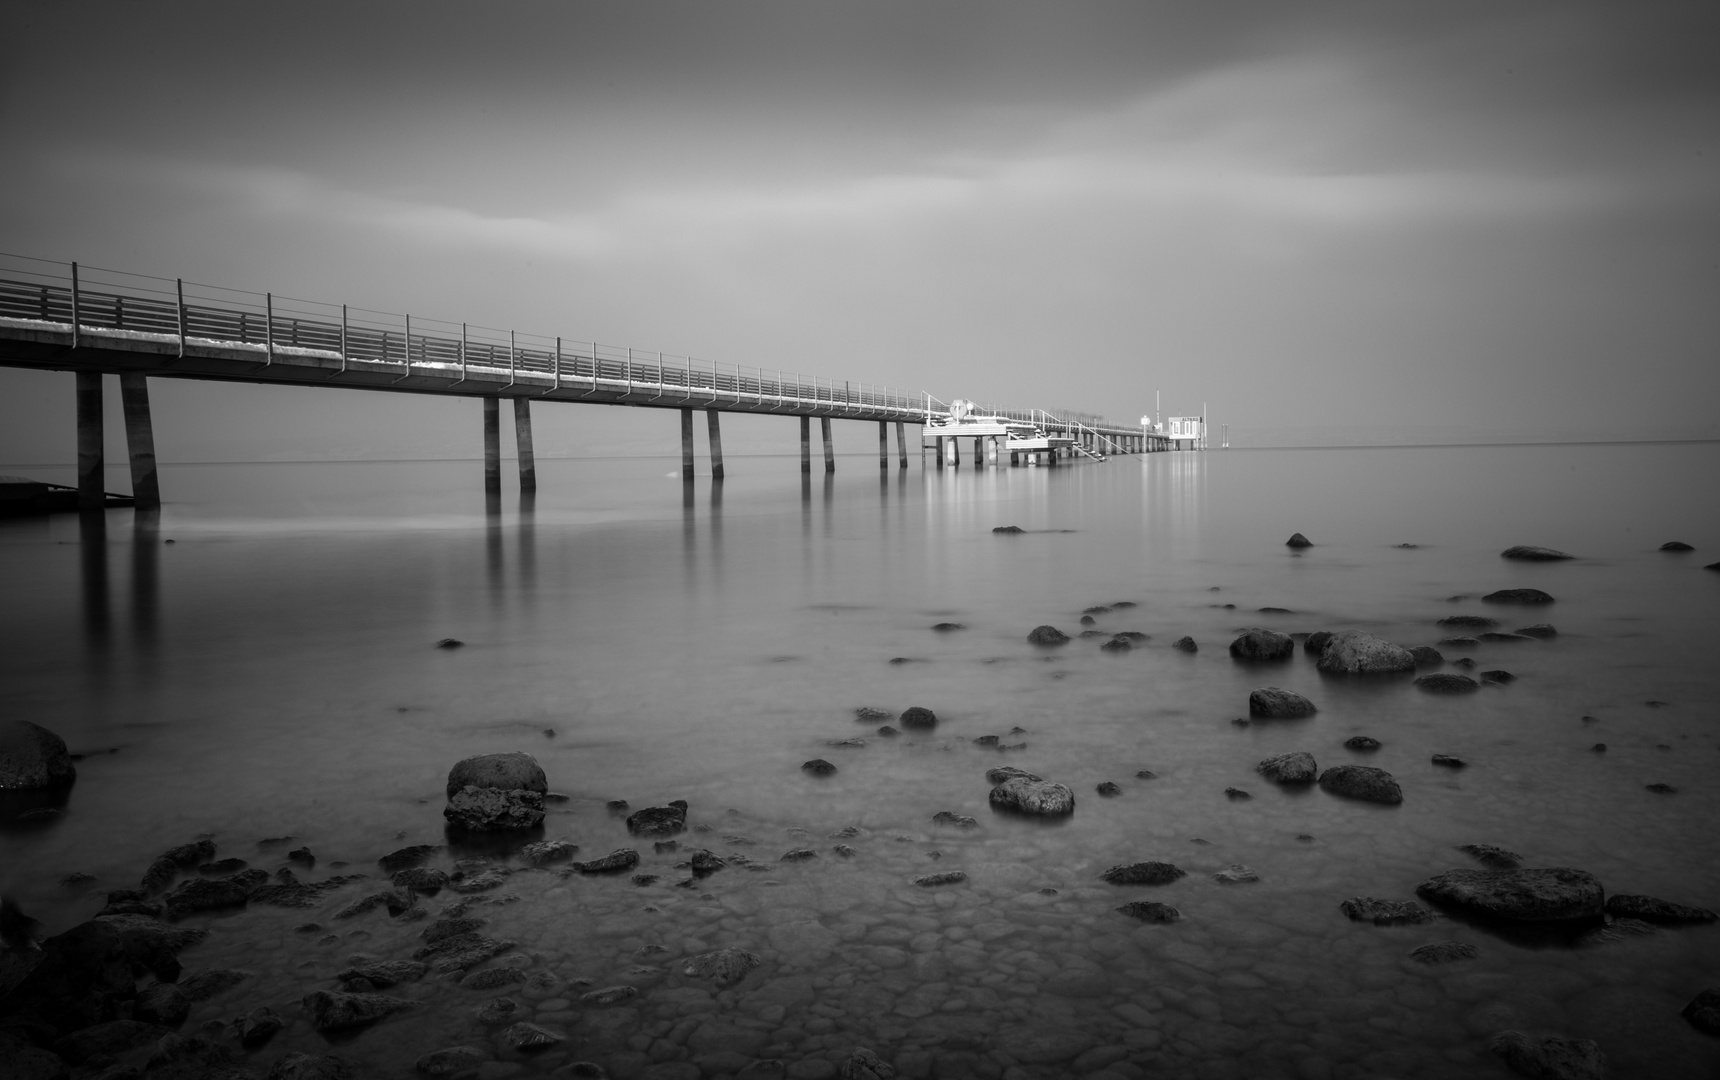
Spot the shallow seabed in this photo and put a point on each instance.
(271, 672)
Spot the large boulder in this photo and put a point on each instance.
(1047, 635)
(1363, 782)
(1352, 652)
(32, 757)
(504, 772)
(1022, 795)
(1530, 553)
(1272, 703)
(1296, 767)
(1556, 894)
(83, 977)
(1257, 643)
(1703, 1011)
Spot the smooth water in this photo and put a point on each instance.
(272, 671)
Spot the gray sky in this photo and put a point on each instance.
(1413, 221)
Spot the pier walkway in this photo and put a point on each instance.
(58, 316)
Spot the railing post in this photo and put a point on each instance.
(268, 328)
(343, 339)
(555, 368)
(462, 352)
(511, 372)
(74, 305)
(179, 294)
(406, 350)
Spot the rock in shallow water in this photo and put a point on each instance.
(1654, 910)
(1296, 767)
(1496, 858)
(335, 1011)
(1556, 894)
(1530, 553)
(1046, 635)
(1703, 1012)
(916, 716)
(1549, 1057)
(659, 821)
(723, 967)
(1273, 703)
(1443, 952)
(1385, 912)
(32, 757)
(1352, 652)
(1446, 682)
(1518, 596)
(1259, 644)
(1150, 872)
(1185, 644)
(1150, 911)
(493, 809)
(1362, 782)
(451, 1061)
(1297, 540)
(1023, 795)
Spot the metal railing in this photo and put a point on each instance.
(109, 304)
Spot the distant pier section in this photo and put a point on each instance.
(63, 317)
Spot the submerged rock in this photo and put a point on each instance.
(1297, 540)
(1468, 622)
(1676, 545)
(616, 862)
(1549, 1057)
(999, 774)
(171, 862)
(408, 857)
(1426, 656)
(1259, 644)
(1118, 643)
(1446, 682)
(1009, 530)
(1185, 644)
(916, 716)
(1654, 910)
(1046, 635)
(1362, 782)
(868, 715)
(1109, 789)
(1529, 553)
(724, 967)
(1041, 798)
(540, 852)
(1361, 743)
(948, 877)
(1352, 652)
(1150, 872)
(1539, 630)
(659, 821)
(451, 1061)
(1443, 952)
(332, 1010)
(1296, 767)
(1490, 856)
(1150, 911)
(1518, 596)
(819, 767)
(1450, 761)
(1703, 1011)
(1273, 703)
(1555, 894)
(946, 627)
(1235, 874)
(33, 758)
(1385, 912)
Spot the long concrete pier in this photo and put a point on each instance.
(58, 316)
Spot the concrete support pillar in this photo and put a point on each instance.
(140, 440)
(979, 451)
(902, 444)
(938, 446)
(523, 441)
(686, 444)
(952, 451)
(92, 487)
(883, 445)
(714, 437)
(806, 444)
(991, 450)
(829, 448)
(492, 444)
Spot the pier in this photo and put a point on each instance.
(63, 317)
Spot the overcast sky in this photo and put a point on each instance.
(1420, 221)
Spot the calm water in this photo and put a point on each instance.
(271, 672)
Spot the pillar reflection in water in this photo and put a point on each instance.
(145, 579)
(493, 556)
(528, 545)
(93, 566)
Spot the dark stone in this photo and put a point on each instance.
(1503, 639)
(868, 715)
(542, 852)
(395, 900)
(1468, 622)
(1047, 635)
(452, 1061)
(724, 967)
(1653, 910)
(302, 856)
(1557, 894)
(421, 879)
(1296, 767)
(163, 1004)
(1041, 798)
(1235, 793)
(1539, 630)
(948, 877)
(450, 643)
(887, 731)
(1703, 1012)
(481, 809)
(1146, 774)
(1449, 761)
(1443, 952)
(1599, 748)
(1272, 703)
(107, 1038)
(408, 857)
(1676, 545)
(504, 772)
(1426, 656)
(530, 1037)
(1257, 644)
(950, 817)
(1495, 857)
(1498, 677)
(1549, 1057)
(1315, 644)
(945, 627)
(1518, 596)
(1185, 644)
(917, 717)
(1446, 682)
(1385, 912)
(1352, 652)
(705, 862)
(1150, 911)
(209, 894)
(1362, 743)
(659, 821)
(1118, 643)
(1712, 566)
(152, 946)
(1529, 553)
(615, 862)
(1297, 540)
(1275, 611)
(19, 1060)
(1662, 789)
(211, 982)
(819, 767)
(386, 973)
(986, 740)
(1096, 609)
(1108, 789)
(445, 928)
(798, 855)
(171, 862)
(297, 1066)
(1361, 782)
(1144, 873)
(1460, 643)
(1088, 620)
(33, 758)
(1000, 773)
(1009, 530)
